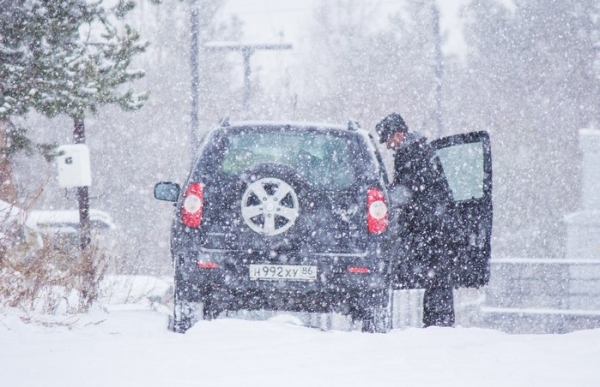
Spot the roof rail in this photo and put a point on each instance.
(353, 125)
(224, 121)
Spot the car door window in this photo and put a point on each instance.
(464, 168)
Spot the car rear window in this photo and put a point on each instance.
(323, 159)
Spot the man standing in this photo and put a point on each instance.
(422, 218)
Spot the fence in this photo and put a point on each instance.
(528, 295)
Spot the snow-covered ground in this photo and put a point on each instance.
(126, 343)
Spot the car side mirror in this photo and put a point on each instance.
(399, 196)
(167, 191)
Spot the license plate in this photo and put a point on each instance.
(283, 272)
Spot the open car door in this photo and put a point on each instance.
(467, 163)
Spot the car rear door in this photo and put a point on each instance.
(467, 163)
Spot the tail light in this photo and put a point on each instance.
(193, 204)
(359, 270)
(377, 217)
(208, 265)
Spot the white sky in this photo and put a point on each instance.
(266, 20)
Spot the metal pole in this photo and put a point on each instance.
(246, 102)
(439, 69)
(194, 30)
(83, 197)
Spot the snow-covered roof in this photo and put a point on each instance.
(589, 132)
(67, 218)
(301, 124)
(583, 217)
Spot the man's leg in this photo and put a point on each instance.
(438, 307)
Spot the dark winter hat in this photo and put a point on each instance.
(389, 125)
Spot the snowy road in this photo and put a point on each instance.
(129, 346)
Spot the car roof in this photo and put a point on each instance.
(295, 124)
(301, 125)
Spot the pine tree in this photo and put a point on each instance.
(67, 57)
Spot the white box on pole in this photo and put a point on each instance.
(74, 166)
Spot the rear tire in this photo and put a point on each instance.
(275, 170)
(182, 318)
(210, 309)
(186, 314)
(378, 318)
(183, 310)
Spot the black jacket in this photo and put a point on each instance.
(423, 226)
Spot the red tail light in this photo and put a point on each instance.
(359, 270)
(208, 265)
(193, 203)
(377, 207)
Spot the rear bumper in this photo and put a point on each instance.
(226, 277)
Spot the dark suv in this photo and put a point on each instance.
(287, 217)
(299, 217)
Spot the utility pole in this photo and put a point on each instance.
(83, 197)
(439, 68)
(247, 50)
(195, 120)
